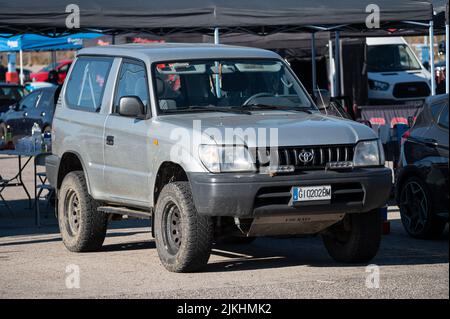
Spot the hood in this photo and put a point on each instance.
(282, 128)
(401, 76)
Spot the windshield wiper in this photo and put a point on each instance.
(276, 107)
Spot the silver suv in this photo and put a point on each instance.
(216, 144)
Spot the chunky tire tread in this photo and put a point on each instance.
(93, 224)
(197, 231)
(363, 242)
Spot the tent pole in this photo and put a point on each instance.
(447, 90)
(433, 73)
(218, 76)
(216, 36)
(21, 66)
(313, 63)
(337, 64)
(331, 67)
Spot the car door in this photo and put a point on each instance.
(437, 148)
(126, 170)
(43, 109)
(19, 120)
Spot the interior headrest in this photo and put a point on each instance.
(160, 88)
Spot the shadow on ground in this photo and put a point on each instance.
(396, 249)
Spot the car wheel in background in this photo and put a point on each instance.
(82, 227)
(416, 210)
(183, 238)
(354, 239)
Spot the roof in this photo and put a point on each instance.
(178, 51)
(167, 17)
(4, 84)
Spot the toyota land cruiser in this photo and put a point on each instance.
(213, 143)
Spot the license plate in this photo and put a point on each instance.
(311, 193)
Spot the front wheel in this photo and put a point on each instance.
(356, 238)
(82, 227)
(183, 238)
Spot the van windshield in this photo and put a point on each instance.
(391, 58)
(226, 85)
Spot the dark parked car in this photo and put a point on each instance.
(36, 107)
(9, 95)
(422, 178)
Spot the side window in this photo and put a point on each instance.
(132, 81)
(436, 110)
(64, 68)
(86, 85)
(443, 118)
(30, 100)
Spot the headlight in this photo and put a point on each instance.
(218, 159)
(378, 85)
(368, 153)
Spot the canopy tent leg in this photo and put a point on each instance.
(337, 65)
(313, 64)
(216, 42)
(447, 71)
(331, 67)
(21, 66)
(432, 70)
(216, 36)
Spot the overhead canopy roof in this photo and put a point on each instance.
(35, 42)
(165, 17)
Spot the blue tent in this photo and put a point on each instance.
(34, 42)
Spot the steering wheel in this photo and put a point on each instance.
(254, 96)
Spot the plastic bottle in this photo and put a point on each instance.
(36, 133)
(47, 142)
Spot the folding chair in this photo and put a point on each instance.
(41, 185)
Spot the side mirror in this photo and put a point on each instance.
(322, 98)
(131, 106)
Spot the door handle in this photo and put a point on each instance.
(110, 140)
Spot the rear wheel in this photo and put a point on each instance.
(416, 210)
(183, 238)
(82, 227)
(356, 238)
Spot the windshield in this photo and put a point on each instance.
(11, 93)
(226, 85)
(49, 67)
(391, 58)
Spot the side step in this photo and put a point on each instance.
(125, 211)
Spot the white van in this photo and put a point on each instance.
(395, 74)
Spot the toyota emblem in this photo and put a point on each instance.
(306, 157)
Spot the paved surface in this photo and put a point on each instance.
(33, 264)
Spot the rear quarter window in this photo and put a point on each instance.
(86, 84)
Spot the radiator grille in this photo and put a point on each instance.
(321, 155)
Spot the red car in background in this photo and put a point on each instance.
(61, 67)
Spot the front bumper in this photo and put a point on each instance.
(250, 195)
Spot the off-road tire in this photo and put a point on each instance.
(356, 239)
(195, 231)
(92, 224)
(433, 227)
